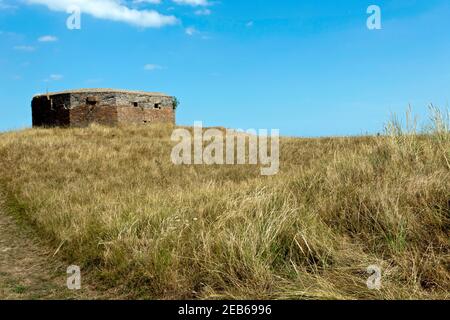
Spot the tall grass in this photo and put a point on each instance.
(111, 200)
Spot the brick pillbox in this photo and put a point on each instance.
(78, 108)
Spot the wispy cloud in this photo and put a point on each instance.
(5, 6)
(47, 39)
(194, 3)
(203, 12)
(114, 10)
(147, 1)
(152, 67)
(25, 48)
(94, 80)
(190, 31)
(54, 77)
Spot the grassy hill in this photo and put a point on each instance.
(111, 201)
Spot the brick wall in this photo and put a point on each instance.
(138, 115)
(106, 108)
(82, 116)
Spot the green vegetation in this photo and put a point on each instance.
(176, 103)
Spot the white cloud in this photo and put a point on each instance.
(113, 10)
(48, 39)
(25, 48)
(191, 31)
(152, 67)
(194, 3)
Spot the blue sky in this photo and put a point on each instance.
(306, 67)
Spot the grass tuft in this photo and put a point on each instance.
(113, 202)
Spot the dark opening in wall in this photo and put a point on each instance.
(135, 104)
(92, 101)
(157, 106)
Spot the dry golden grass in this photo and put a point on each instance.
(113, 202)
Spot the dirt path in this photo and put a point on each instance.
(28, 269)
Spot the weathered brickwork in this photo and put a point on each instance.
(102, 106)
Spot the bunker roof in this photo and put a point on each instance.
(102, 91)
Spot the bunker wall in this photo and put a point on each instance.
(106, 108)
(51, 111)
